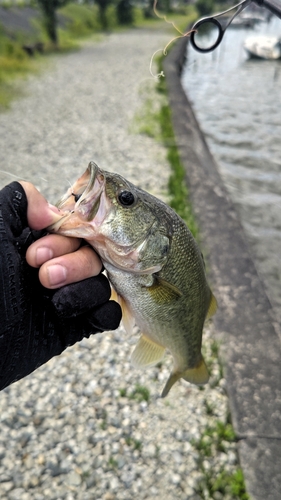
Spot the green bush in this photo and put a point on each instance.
(125, 12)
(204, 7)
(81, 19)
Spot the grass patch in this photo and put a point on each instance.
(154, 120)
(216, 481)
(113, 463)
(80, 21)
(180, 17)
(15, 66)
(139, 393)
(134, 443)
(216, 440)
(103, 418)
(179, 197)
(178, 190)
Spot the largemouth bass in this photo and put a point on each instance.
(153, 263)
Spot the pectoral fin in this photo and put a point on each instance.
(114, 295)
(163, 291)
(146, 353)
(127, 317)
(198, 375)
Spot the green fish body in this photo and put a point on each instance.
(153, 264)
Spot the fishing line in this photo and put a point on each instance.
(12, 175)
(164, 51)
(17, 177)
(165, 18)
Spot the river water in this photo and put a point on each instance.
(237, 103)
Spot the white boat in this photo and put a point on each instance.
(263, 47)
(247, 21)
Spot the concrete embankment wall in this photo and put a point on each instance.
(250, 345)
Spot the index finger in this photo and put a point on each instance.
(49, 247)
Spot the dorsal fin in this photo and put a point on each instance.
(212, 307)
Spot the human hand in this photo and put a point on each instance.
(37, 323)
(61, 260)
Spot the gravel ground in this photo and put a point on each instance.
(86, 425)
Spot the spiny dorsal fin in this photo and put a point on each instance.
(146, 353)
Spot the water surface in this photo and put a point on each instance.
(237, 102)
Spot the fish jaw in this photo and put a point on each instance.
(84, 207)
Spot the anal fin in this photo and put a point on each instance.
(147, 353)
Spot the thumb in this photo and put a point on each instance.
(40, 213)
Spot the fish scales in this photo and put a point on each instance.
(155, 319)
(153, 263)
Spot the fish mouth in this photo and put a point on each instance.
(81, 203)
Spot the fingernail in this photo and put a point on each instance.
(43, 254)
(57, 275)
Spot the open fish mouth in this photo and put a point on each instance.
(82, 201)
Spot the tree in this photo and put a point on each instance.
(103, 4)
(49, 8)
(163, 6)
(205, 7)
(125, 12)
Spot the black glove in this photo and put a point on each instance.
(36, 323)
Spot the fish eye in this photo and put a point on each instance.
(126, 198)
